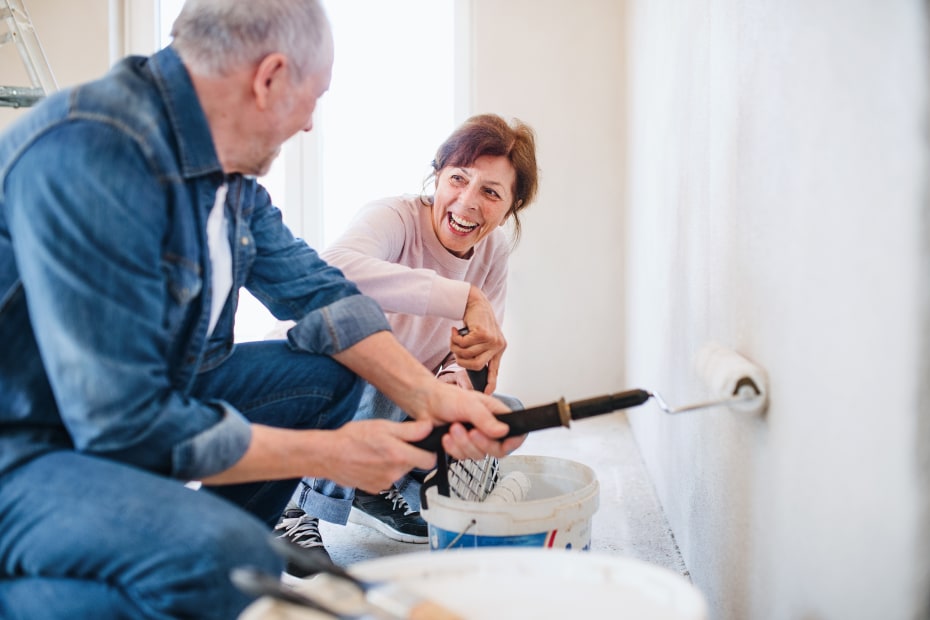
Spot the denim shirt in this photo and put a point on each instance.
(105, 277)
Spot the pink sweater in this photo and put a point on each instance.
(391, 252)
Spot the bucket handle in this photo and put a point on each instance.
(472, 524)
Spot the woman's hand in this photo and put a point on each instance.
(484, 343)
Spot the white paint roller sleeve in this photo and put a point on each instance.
(729, 374)
(512, 488)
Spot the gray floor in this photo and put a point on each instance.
(628, 522)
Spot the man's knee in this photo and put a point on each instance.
(287, 389)
(334, 394)
(201, 579)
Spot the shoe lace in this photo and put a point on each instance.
(399, 503)
(302, 530)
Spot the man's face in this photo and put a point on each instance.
(291, 111)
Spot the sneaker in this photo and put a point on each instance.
(389, 513)
(303, 530)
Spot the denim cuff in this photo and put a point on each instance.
(336, 327)
(331, 509)
(214, 450)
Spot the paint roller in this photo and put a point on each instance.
(734, 381)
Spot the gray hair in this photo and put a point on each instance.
(214, 37)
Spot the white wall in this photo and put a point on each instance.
(558, 67)
(779, 193)
(777, 190)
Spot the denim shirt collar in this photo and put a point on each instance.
(188, 121)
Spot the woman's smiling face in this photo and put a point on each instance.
(471, 201)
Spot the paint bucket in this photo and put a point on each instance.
(555, 514)
(513, 583)
(516, 583)
(538, 584)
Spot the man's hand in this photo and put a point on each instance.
(368, 454)
(372, 454)
(382, 361)
(457, 405)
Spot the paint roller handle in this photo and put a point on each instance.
(478, 378)
(554, 414)
(519, 423)
(606, 404)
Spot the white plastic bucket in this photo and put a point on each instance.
(535, 584)
(512, 583)
(555, 514)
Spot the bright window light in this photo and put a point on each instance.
(390, 105)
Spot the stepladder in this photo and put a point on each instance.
(19, 32)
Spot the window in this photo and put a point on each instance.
(391, 103)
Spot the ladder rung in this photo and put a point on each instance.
(19, 96)
(21, 32)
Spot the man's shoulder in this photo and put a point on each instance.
(122, 99)
(126, 96)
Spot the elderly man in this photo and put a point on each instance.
(130, 217)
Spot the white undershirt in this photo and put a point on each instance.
(220, 256)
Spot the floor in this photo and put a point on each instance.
(629, 520)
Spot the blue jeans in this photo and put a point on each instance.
(84, 537)
(331, 502)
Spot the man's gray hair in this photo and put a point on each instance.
(214, 37)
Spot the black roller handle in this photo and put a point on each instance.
(479, 378)
(547, 416)
(605, 404)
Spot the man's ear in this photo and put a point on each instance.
(270, 76)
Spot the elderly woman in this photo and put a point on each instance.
(435, 264)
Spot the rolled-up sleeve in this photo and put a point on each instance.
(338, 326)
(215, 449)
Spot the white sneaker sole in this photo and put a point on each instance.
(363, 518)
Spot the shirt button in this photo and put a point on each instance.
(245, 241)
